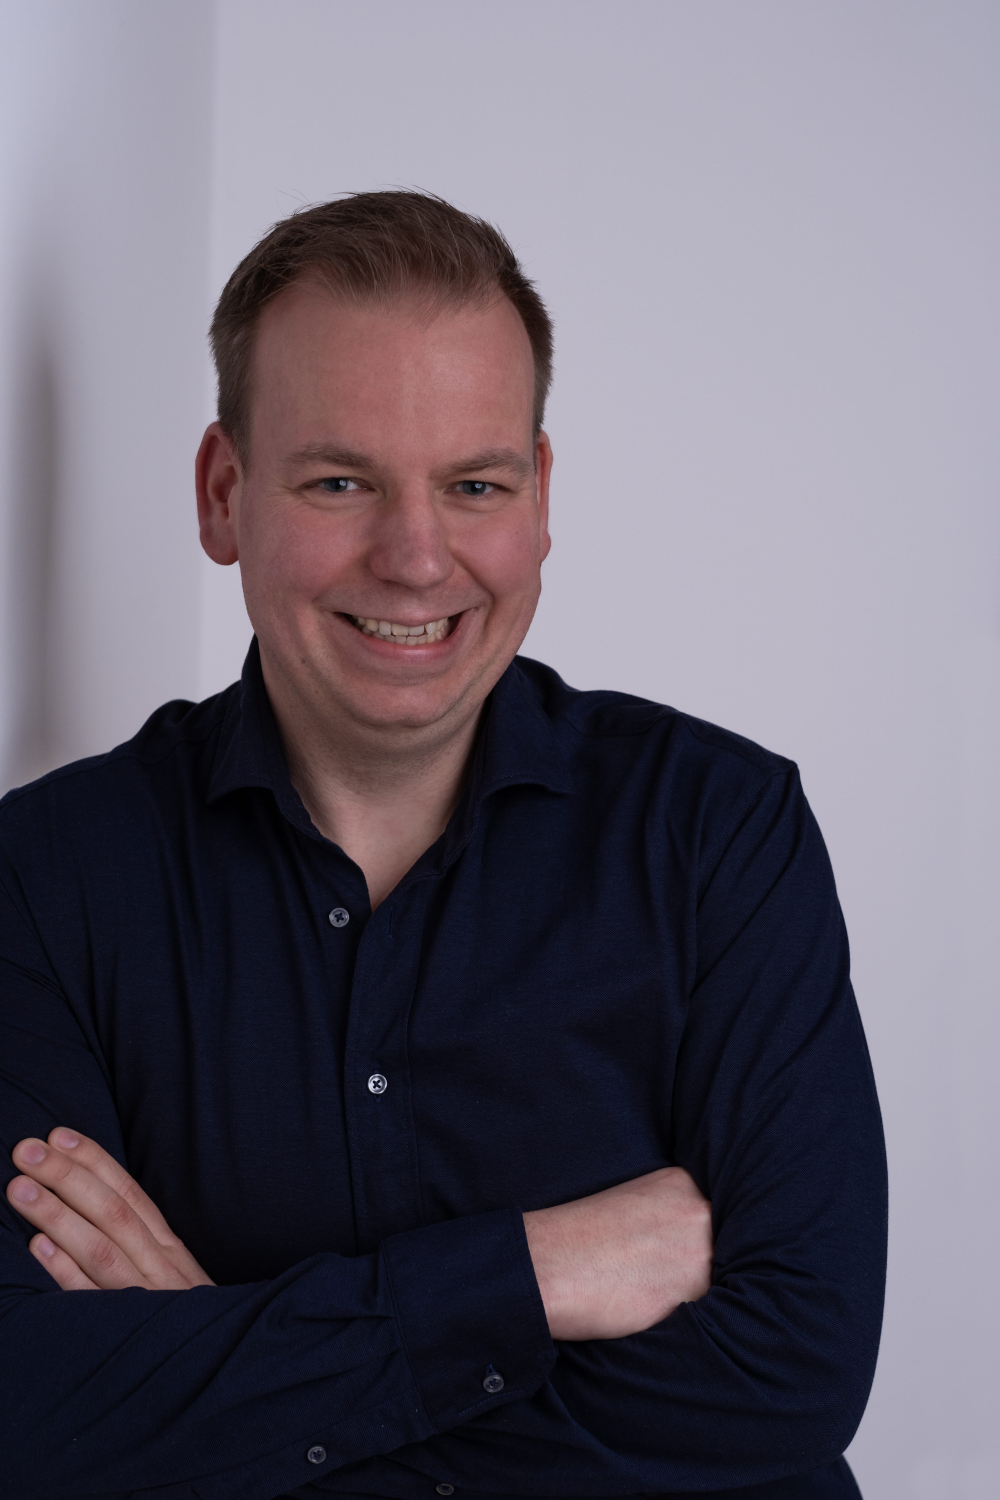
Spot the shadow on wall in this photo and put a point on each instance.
(31, 603)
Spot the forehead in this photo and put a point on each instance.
(322, 363)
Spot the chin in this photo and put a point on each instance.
(404, 708)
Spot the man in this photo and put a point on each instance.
(379, 1030)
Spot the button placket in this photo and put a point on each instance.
(377, 1094)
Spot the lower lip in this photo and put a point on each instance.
(385, 647)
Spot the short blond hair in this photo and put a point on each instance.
(371, 247)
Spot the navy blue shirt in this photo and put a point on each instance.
(625, 951)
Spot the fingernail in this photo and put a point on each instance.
(24, 1191)
(44, 1246)
(65, 1140)
(32, 1152)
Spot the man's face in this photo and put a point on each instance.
(394, 481)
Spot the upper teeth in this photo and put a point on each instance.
(405, 635)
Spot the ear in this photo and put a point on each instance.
(218, 478)
(543, 469)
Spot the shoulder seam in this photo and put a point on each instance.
(735, 743)
(585, 732)
(727, 740)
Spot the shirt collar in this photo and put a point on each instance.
(250, 752)
(516, 745)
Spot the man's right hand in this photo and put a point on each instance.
(621, 1260)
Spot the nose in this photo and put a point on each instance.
(410, 544)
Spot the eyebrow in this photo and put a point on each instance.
(349, 458)
(494, 458)
(337, 458)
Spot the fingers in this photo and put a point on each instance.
(70, 1191)
(89, 1154)
(93, 1252)
(61, 1267)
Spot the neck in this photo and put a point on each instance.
(382, 796)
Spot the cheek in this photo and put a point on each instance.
(505, 558)
(293, 558)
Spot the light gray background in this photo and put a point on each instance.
(768, 233)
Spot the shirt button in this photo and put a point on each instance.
(316, 1455)
(339, 917)
(493, 1382)
(445, 1489)
(377, 1084)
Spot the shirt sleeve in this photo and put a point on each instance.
(230, 1391)
(775, 1116)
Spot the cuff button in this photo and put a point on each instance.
(493, 1382)
(316, 1455)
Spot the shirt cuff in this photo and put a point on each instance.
(470, 1313)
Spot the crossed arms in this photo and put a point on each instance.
(190, 1391)
(608, 1265)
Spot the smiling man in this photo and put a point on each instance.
(439, 1080)
(390, 529)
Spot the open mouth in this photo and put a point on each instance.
(395, 634)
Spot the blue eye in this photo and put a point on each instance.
(478, 488)
(336, 486)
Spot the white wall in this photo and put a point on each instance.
(105, 120)
(769, 236)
